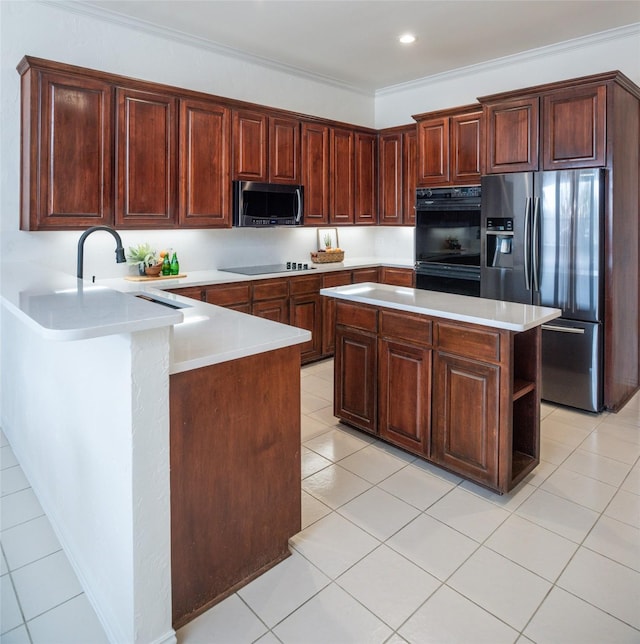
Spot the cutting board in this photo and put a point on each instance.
(146, 278)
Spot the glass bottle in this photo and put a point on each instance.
(166, 265)
(175, 265)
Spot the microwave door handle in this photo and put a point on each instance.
(299, 214)
(527, 244)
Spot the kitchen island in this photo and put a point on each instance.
(451, 378)
(161, 436)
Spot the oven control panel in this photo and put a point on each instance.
(464, 192)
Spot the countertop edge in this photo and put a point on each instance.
(543, 314)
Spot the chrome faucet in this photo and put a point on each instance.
(120, 258)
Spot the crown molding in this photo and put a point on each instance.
(136, 24)
(497, 63)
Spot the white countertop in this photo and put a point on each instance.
(463, 308)
(61, 307)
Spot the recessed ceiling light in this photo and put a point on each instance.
(407, 39)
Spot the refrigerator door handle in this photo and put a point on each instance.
(527, 244)
(535, 253)
(562, 329)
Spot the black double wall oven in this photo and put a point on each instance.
(447, 240)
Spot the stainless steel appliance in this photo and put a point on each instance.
(267, 204)
(447, 240)
(542, 243)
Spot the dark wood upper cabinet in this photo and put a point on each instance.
(67, 139)
(146, 135)
(284, 150)
(574, 130)
(315, 173)
(397, 175)
(250, 145)
(409, 175)
(366, 178)
(512, 135)
(465, 130)
(449, 147)
(204, 165)
(265, 148)
(433, 152)
(341, 176)
(390, 169)
(559, 129)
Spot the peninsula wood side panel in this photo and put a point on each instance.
(235, 475)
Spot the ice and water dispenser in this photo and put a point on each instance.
(499, 242)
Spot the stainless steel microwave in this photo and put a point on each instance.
(267, 204)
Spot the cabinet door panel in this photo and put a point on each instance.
(465, 148)
(70, 166)
(305, 312)
(512, 136)
(366, 179)
(284, 150)
(405, 395)
(146, 159)
(466, 416)
(276, 310)
(355, 386)
(409, 176)
(574, 132)
(250, 151)
(433, 152)
(342, 180)
(315, 168)
(390, 168)
(205, 142)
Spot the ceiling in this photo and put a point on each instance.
(355, 42)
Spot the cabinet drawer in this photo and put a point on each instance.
(469, 342)
(299, 285)
(194, 292)
(414, 328)
(270, 289)
(365, 275)
(225, 295)
(341, 278)
(358, 317)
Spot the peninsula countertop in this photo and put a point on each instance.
(463, 308)
(62, 308)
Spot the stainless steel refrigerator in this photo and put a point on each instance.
(542, 243)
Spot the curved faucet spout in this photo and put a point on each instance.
(120, 258)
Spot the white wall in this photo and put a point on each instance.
(95, 449)
(617, 49)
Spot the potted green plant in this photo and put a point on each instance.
(146, 258)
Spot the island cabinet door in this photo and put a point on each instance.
(466, 416)
(404, 395)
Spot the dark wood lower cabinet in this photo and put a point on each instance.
(276, 310)
(355, 382)
(463, 396)
(235, 475)
(466, 413)
(305, 312)
(404, 401)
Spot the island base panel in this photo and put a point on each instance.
(235, 475)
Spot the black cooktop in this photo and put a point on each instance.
(289, 267)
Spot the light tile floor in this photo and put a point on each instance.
(394, 549)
